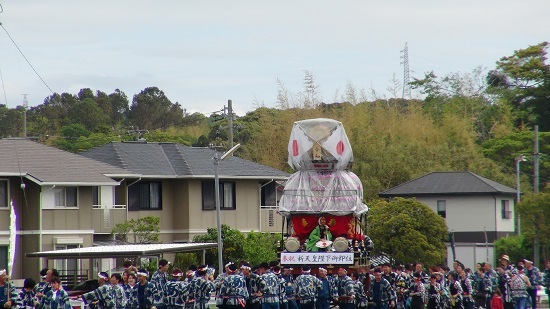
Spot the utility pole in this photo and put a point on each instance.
(230, 122)
(536, 155)
(521, 158)
(25, 106)
(536, 244)
(405, 63)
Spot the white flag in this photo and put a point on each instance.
(13, 233)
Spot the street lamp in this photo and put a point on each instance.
(216, 160)
(519, 159)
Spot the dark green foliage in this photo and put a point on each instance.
(260, 247)
(233, 241)
(144, 230)
(255, 247)
(408, 230)
(184, 260)
(516, 247)
(523, 80)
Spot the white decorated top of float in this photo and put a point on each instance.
(337, 193)
(319, 144)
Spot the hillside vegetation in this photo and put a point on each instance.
(479, 121)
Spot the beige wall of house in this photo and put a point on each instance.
(244, 218)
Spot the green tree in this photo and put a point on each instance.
(11, 121)
(523, 79)
(170, 136)
(408, 230)
(233, 241)
(516, 247)
(260, 247)
(506, 148)
(184, 260)
(534, 210)
(88, 113)
(144, 230)
(464, 95)
(120, 107)
(84, 143)
(150, 109)
(69, 135)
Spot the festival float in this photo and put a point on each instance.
(322, 202)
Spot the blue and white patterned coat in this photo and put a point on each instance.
(119, 296)
(176, 293)
(27, 299)
(159, 280)
(131, 294)
(306, 288)
(102, 295)
(270, 286)
(202, 290)
(346, 289)
(360, 295)
(233, 290)
(55, 299)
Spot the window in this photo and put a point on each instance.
(227, 195)
(3, 257)
(269, 194)
(65, 197)
(96, 195)
(67, 266)
(442, 208)
(145, 195)
(4, 193)
(505, 208)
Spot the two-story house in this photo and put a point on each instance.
(177, 184)
(52, 192)
(477, 210)
(65, 200)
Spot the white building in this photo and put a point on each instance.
(477, 211)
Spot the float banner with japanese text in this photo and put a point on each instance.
(324, 258)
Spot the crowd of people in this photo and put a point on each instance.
(274, 286)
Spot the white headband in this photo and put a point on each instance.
(100, 275)
(141, 273)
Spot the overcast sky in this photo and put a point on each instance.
(202, 53)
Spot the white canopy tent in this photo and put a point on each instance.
(121, 251)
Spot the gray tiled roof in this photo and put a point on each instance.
(448, 183)
(172, 160)
(45, 164)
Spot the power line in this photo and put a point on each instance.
(26, 59)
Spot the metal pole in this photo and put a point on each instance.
(230, 122)
(520, 159)
(536, 154)
(219, 223)
(536, 161)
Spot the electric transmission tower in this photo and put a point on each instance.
(405, 63)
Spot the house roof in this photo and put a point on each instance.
(132, 250)
(47, 165)
(173, 160)
(448, 183)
